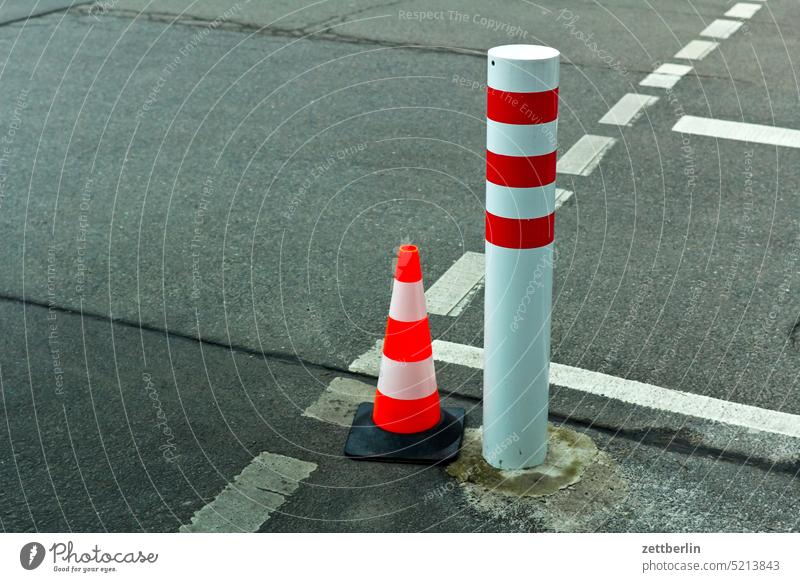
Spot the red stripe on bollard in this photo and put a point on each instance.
(522, 108)
(520, 171)
(407, 341)
(520, 233)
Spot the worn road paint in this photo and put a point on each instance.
(673, 69)
(562, 196)
(369, 362)
(630, 391)
(461, 281)
(628, 109)
(338, 402)
(585, 155)
(743, 10)
(721, 28)
(660, 80)
(665, 76)
(255, 493)
(696, 50)
(737, 130)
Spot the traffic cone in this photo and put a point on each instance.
(406, 423)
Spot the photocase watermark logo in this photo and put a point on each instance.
(31, 555)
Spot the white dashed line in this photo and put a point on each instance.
(743, 10)
(259, 490)
(659, 80)
(721, 28)
(630, 391)
(628, 109)
(696, 50)
(665, 76)
(583, 157)
(452, 292)
(338, 402)
(673, 69)
(736, 130)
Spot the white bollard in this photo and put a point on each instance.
(521, 147)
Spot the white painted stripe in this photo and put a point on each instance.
(255, 493)
(673, 69)
(562, 196)
(675, 401)
(737, 130)
(509, 139)
(460, 354)
(721, 28)
(665, 76)
(408, 301)
(520, 202)
(446, 296)
(583, 157)
(743, 10)
(660, 80)
(696, 50)
(640, 393)
(628, 109)
(407, 380)
(369, 362)
(338, 402)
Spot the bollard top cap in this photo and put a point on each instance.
(524, 52)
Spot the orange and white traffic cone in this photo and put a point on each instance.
(406, 423)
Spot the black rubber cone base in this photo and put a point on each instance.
(439, 444)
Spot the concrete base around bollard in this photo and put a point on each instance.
(569, 454)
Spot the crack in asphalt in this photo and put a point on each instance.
(30, 17)
(323, 33)
(679, 440)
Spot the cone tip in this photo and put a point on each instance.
(408, 265)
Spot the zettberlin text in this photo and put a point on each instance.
(686, 548)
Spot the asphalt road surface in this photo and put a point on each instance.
(200, 203)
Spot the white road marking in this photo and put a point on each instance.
(451, 293)
(685, 403)
(659, 80)
(338, 402)
(630, 391)
(256, 492)
(721, 28)
(737, 130)
(583, 157)
(369, 362)
(463, 355)
(743, 10)
(673, 69)
(562, 196)
(665, 76)
(628, 109)
(696, 50)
